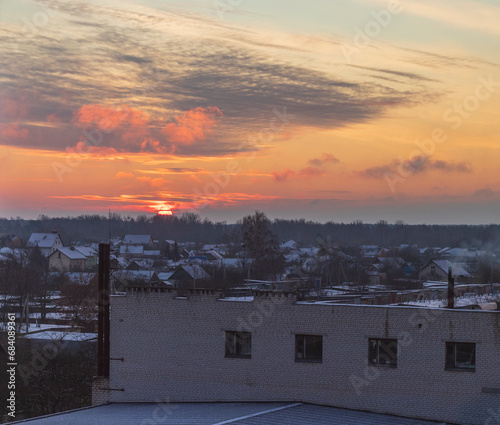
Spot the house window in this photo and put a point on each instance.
(383, 352)
(461, 356)
(308, 348)
(239, 344)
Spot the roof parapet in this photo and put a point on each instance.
(150, 289)
(260, 294)
(202, 291)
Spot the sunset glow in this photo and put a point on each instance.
(291, 108)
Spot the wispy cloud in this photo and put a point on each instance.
(474, 15)
(307, 172)
(417, 165)
(326, 158)
(185, 68)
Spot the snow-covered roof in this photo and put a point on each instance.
(137, 239)
(135, 274)
(289, 244)
(152, 253)
(369, 250)
(131, 249)
(122, 262)
(235, 262)
(195, 271)
(309, 250)
(163, 276)
(291, 257)
(52, 315)
(86, 250)
(456, 269)
(43, 240)
(37, 327)
(62, 336)
(468, 300)
(80, 277)
(215, 254)
(244, 299)
(71, 253)
(143, 263)
(208, 247)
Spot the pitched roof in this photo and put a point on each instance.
(72, 254)
(195, 271)
(86, 250)
(289, 244)
(137, 239)
(43, 240)
(456, 269)
(131, 249)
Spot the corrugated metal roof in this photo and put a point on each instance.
(219, 414)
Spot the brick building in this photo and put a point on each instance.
(435, 364)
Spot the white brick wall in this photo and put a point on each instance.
(174, 349)
(100, 390)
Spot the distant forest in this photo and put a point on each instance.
(189, 227)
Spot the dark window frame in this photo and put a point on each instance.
(313, 343)
(235, 342)
(380, 354)
(452, 361)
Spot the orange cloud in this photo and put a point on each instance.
(54, 118)
(123, 175)
(12, 131)
(158, 182)
(150, 145)
(129, 124)
(192, 126)
(110, 118)
(310, 172)
(83, 148)
(281, 176)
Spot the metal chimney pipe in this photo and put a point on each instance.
(451, 289)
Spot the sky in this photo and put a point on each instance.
(329, 111)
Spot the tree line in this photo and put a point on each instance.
(190, 227)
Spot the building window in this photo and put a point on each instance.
(239, 344)
(461, 356)
(308, 348)
(383, 352)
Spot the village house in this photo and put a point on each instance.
(143, 240)
(189, 276)
(67, 259)
(131, 251)
(47, 242)
(90, 256)
(437, 270)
